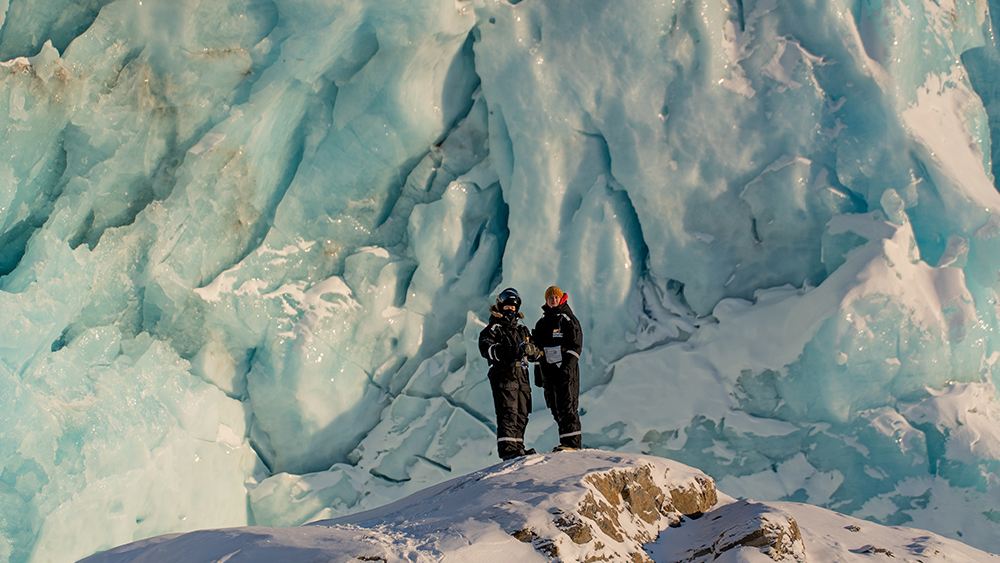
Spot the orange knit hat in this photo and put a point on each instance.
(553, 290)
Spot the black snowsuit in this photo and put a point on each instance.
(559, 336)
(503, 344)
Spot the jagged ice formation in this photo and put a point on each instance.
(246, 247)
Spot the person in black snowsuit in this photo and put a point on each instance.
(560, 338)
(506, 345)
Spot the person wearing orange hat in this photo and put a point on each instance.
(560, 337)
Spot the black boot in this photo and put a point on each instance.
(517, 454)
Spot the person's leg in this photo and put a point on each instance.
(553, 396)
(523, 407)
(550, 400)
(510, 430)
(566, 412)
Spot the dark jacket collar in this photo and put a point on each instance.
(560, 308)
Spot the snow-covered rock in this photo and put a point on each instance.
(588, 505)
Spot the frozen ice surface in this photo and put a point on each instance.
(246, 248)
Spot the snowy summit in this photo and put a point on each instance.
(569, 506)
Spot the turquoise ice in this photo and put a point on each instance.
(246, 248)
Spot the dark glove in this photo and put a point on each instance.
(505, 351)
(532, 351)
(539, 378)
(506, 348)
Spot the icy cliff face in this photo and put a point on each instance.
(246, 247)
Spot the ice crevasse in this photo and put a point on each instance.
(246, 248)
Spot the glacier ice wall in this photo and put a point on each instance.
(246, 247)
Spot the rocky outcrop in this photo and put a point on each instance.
(622, 509)
(745, 524)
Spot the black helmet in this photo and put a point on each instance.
(509, 296)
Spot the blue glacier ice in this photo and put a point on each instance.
(246, 248)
